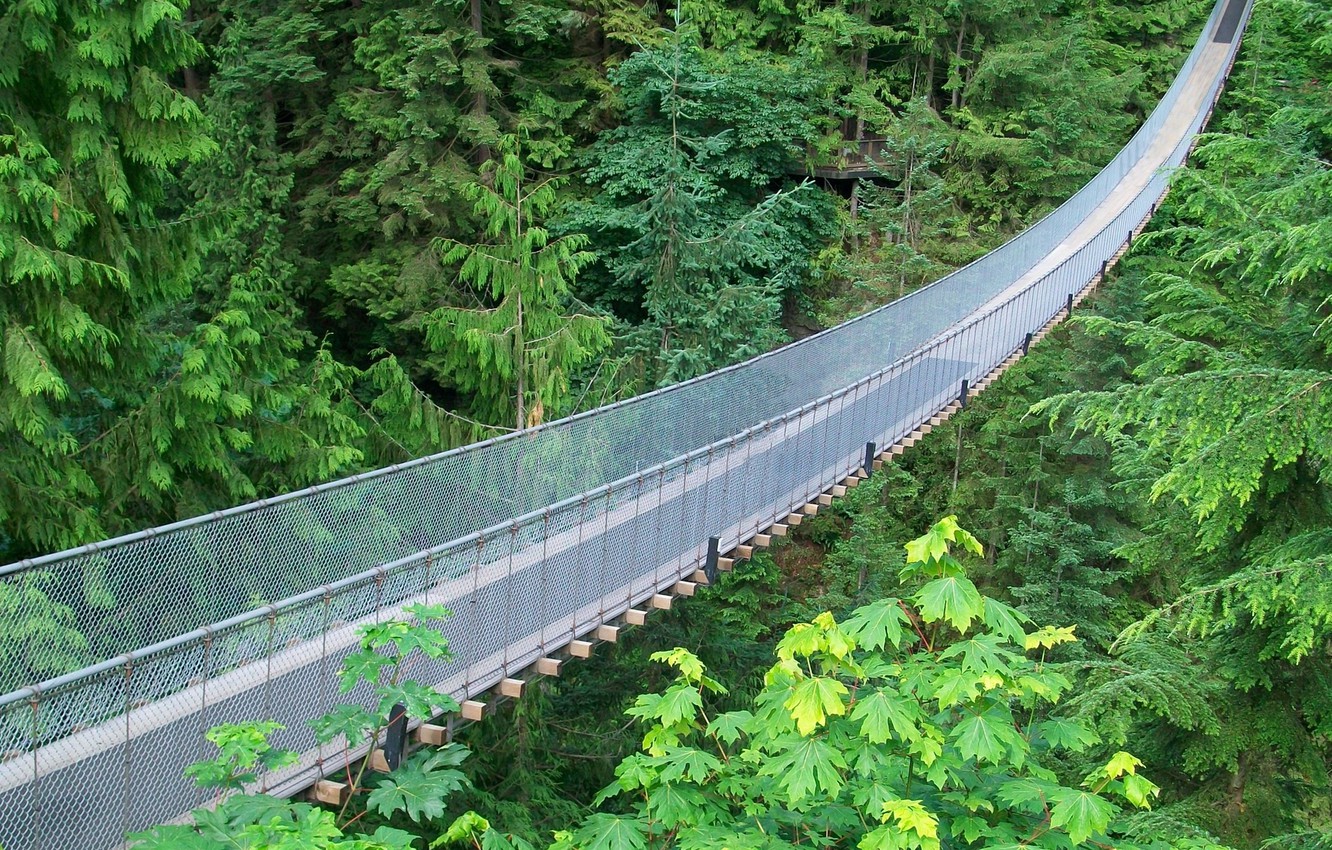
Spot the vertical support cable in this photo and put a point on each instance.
(129, 746)
(509, 615)
(605, 556)
(34, 703)
(544, 588)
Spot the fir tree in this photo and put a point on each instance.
(512, 353)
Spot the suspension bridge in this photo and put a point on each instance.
(541, 542)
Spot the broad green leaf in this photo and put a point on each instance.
(1067, 734)
(419, 788)
(1026, 794)
(366, 664)
(1048, 637)
(806, 765)
(969, 828)
(933, 545)
(884, 714)
(912, 816)
(467, 827)
(952, 598)
(610, 832)
(634, 772)
(728, 727)
(1139, 790)
(689, 764)
(800, 641)
(982, 654)
(878, 625)
(1080, 813)
(989, 737)
(929, 747)
(977, 737)
(495, 840)
(390, 838)
(683, 660)
(814, 700)
(677, 805)
(954, 686)
(1006, 621)
(835, 641)
(350, 720)
(1121, 763)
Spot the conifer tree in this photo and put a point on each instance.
(693, 243)
(1225, 424)
(512, 351)
(94, 274)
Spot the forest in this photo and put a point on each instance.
(252, 245)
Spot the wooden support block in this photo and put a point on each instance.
(685, 588)
(331, 793)
(661, 601)
(429, 733)
(512, 688)
(925, 429)
(725, 564)
(779, 529)
(608, 633)
(851, 482)
(378, 763)
(474, 709)
(699, 577)
(824, 499)
(763, 540)
(580, 648)
(549, 666)
(878, 463)
(794, 519)
(636, 616)
(898, 449)
(938, 419)
(744, 552)
(811, 509)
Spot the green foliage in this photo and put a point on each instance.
(693, 243)
(515, 350)
(242, 752)
(851, 721)
(420, 789)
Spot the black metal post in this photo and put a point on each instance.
(395, 737)
(962, 395)
(1026, 344)
(710, 563)
(870, 451)
(1070, 304)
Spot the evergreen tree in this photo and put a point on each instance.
(694, 245)
(111, 396)
(513, 352)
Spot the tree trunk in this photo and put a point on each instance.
(957, 59)
(855, 215)
(929, 81)
(1235, 805)
(480, 101)
(519, 344)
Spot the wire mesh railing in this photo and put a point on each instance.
(520, 536)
